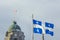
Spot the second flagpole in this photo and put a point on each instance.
(42, 36)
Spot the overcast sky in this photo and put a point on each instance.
(43, 10)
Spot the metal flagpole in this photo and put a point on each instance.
(33, 27)
(42, 36)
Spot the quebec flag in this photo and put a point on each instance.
(38, 27)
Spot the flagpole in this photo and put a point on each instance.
(33, 27)
(42, 36)
(43, 33)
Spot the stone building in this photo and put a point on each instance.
(14, 32)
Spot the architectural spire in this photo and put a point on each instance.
(14, 32)
(14, 14)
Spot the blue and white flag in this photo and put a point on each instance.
(38, 27)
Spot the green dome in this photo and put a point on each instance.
(14, 26)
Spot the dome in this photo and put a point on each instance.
(14, 26)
